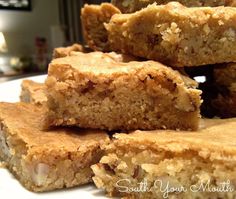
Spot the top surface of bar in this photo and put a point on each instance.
(106, 63)
(25, 121)
(215, 135)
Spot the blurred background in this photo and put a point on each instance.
(30, 29)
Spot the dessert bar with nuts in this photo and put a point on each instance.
(46, 160)
(94, 90)
(160, 164)
(176, 35)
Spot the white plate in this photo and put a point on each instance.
(10, 187)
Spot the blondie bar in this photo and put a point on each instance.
(46, 160)
(176, 35)
(33, 92)
(169, 164)
(94, 90)
(129, 6)
(66, 51)
(93, 18)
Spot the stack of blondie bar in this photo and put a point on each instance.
(124, 112)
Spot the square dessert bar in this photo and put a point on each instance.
(129, 6)
(33, 92)
(46, 160)
(94, 90)
(179, 165)
(176, 35)
(93, 18)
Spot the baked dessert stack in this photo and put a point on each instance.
(164, 163)
(188, 35)
(96, 90)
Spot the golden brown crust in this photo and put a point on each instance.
(214, 138)
(93, 18)
(176, 35)
(70, 139)
(46, 160)
(129, 6)
(108, 57)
